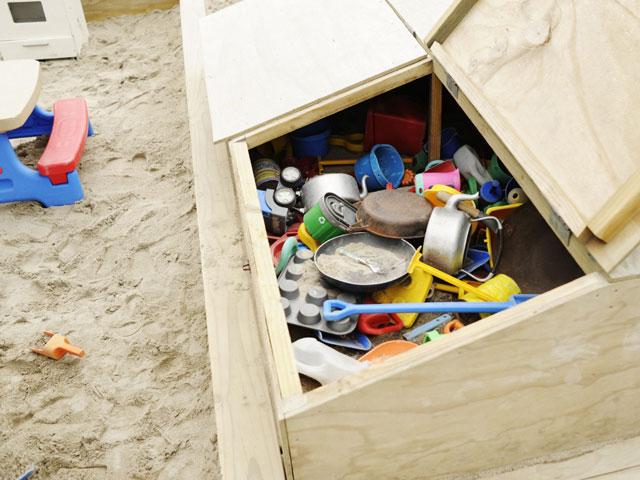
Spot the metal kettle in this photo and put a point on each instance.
(447, 237)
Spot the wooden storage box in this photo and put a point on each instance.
(558, 373)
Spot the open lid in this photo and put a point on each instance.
(264, 59)
(558, 85)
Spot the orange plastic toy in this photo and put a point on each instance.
(386, 350)
(58, 346)
(452, 326)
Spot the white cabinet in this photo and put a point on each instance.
(41, 29)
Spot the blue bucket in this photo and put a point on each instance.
(450, 142)
(312, 140)
(383, 164)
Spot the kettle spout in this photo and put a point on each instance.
(363, 187)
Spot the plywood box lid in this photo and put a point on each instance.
(558, 84)
(264, 59)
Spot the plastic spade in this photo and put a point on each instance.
(337, 309)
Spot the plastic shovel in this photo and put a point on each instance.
(337, 309)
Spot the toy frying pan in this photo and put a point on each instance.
(363, 262)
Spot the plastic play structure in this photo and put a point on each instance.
(55, 181)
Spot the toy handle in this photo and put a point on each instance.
(333, 310)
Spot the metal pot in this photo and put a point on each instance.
(341, 184)
(446, 239)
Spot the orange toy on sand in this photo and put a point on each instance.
(58, 346)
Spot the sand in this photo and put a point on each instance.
(118, 273)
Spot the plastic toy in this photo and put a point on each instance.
(383, 164)
(466, 159)
(387, 349)
(354, 341)
(379, 323)
(496, 170)
(334, 310)
(307, 239)
(351, 142)
(323, 363)
(414, 289)
(312, 140)
(396, 120)
(426, 180)
(56, 181)
(417, 264)
(430, 325)
(58, 346)
(452, 326)
(501, 287)
(431, 336)
(517, 195)
(491, 192)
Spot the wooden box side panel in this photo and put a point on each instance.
(95, 10)
(560, 371)
(243, 382)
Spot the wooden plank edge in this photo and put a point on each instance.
(591, 254)
(425, 353)
(448, 21)
(335, 103)
(245, 410)
(102, 9)
(263, 276)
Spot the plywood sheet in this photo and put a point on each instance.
(421, 16)
(267, 58)
(563, 77)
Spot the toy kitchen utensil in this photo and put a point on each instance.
(302, 292)
(362, 262)
(330, 217)
(447, 236)
(393, 214)
(322, 363)
(382, 165)
(340, 184)
(335, 310)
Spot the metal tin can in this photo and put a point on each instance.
(330, 217)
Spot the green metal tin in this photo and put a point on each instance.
(328, 218)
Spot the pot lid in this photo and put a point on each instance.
(556, 85)
(267, 58)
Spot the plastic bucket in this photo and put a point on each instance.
(383, 164)
(450, 142)
(425, 181)
(312, 140)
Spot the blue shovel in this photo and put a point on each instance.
(337, 309)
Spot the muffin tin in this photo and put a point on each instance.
(302, 293)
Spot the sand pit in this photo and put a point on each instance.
(118, 273)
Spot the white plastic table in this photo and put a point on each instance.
(19, 91)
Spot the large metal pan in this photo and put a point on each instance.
(363, 262)
(393, 214)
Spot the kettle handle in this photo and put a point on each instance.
(453, 201)
(363, 186)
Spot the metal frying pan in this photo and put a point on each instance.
(393, 214)
(363, 262)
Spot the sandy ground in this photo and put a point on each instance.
(119, 273)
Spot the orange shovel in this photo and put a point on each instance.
(58, 346)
